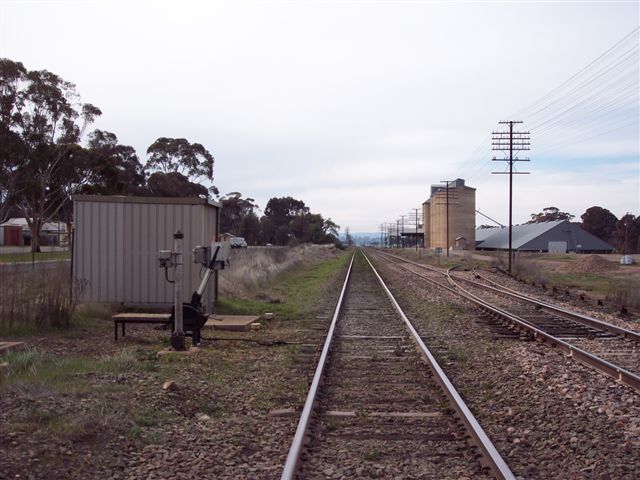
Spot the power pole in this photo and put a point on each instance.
(381, 234)
(416, 210)
(446, 182)
(402, 230)
(510, 142)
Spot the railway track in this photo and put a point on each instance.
(608, 348)
(379, 404)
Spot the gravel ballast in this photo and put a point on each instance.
(549, 416)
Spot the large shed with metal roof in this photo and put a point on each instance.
(559, 236)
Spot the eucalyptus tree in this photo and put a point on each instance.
(43, 120)
(179, 167)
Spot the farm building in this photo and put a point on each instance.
(460, 201)
(16, 232)
(116, 244)
(560, 236)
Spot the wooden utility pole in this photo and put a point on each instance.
(416, 210)
(446, 183)
(512, 142)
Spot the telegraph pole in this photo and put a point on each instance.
(510, 142)
(416, 210)
(446, 182)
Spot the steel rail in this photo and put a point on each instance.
(293, 458)
(490, 454)
(620, 374)
(549, 307)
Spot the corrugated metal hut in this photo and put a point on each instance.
(117, 239)
(559, 236)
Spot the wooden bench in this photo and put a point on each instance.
(140, 318)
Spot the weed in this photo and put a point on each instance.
(332, 426)
(585, 281)
(361, 413)
(456, 354)
(300, 287)
(625, 292)
(527, 269)
(134, 432)
(252, 269)
(372, 455)
(146, 417)
(20, 363)
(37, 298)
(121, 361)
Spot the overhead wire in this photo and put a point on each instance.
(599, 99)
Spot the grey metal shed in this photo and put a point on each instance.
(539, 236)
(116, 241)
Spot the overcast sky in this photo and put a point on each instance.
(356, 108)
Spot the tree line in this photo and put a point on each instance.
(43, 163)
(286, 221)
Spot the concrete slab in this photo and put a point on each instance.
(6, 346)
(236, 323)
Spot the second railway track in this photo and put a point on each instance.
(376, 409)
(610, 349)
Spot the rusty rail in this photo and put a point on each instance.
(293, 458)
(549, 307)
(620, 374)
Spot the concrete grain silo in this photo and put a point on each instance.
(461, 201)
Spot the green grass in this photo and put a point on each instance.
(38, 257)
(63, 374)
(591, 282)
(83, 319)
(298, 289)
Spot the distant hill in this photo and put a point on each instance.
(363, 238)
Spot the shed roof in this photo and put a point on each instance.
(132, 199)
(535, 236)
(46, 226)
(483, 233)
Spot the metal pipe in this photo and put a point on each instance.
(177, 337)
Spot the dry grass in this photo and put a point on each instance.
(35, 298)
(625, 292)
(252, 268)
